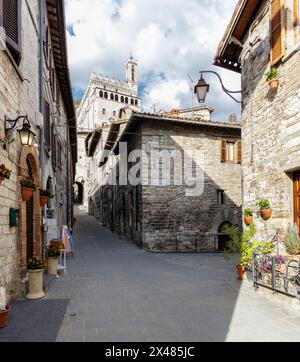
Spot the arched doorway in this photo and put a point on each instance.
(30, 212)
(29, 217)
(223, 238)
(78, 193)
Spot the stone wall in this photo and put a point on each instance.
(271, 125)
(173, 221)
(18, 96)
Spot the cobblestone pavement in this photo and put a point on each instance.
(122, 294)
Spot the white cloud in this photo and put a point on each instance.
(170, 39)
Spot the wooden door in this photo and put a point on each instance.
(297, 198)
(29, 228)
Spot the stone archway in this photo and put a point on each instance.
(29, 160)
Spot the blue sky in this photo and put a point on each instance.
(169, 38)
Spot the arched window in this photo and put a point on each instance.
(117, 98)
(104, 111)
(132, 101)
(105, 95)
(126, 100)
(112, 98)
(101, 94)
(133, 73)
(122, 99)
(136, 102)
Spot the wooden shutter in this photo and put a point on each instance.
(53, 147)
(277, 31)
(238, 147)
(223, 146)
(296, 21)
(47, 130)
(11, 12)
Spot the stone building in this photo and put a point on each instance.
(35, 83)
(260, 35)
(100, 105)
(160, 209)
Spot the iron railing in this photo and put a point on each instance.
(278, 273)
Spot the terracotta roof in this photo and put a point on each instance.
(229, 49)
(57, 25)
(174, 119)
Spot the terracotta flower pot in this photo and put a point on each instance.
(44, 200)
(242, 273)
(52, 266)
(266, 214)
(58, 244)
(274, 84)
(1, 179)
(248, 220)
(35, 284)
(4, 317)
(26, 193)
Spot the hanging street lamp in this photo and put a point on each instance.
(202, 88)
(25, 133)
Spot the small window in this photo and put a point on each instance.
(105, 95)
(126, 100)
(104, 111)
(230, 152)
(132, 101)
(112, 97)
(136, 102)
(101, 94)
(114, 113)
(122, 99)
(117, 98)
(220, 197)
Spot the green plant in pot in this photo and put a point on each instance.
(248, 217)
(265, 209)
(4, 173)
(52, 254)
(291, 240)
(35, 268)
(45, 195)
(27, 187)
(240, 243)
(272, 79)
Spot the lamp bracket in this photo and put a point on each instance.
(10, 124)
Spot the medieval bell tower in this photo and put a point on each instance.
(131, 73)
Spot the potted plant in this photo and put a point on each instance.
(52, 254)
(4, 173)
(4, 308)
(36, 268)
(265, 209)
(248, 217)
(272, 79)
(27, 188)
(45, 195)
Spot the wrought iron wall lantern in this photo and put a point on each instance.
(25, 133)
(202, 88)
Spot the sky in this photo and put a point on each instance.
(169, 38)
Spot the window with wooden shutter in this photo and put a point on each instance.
(223, 147)
(296, 24)
(277, 31)
(238, 146)
(53, 147)
(47, 129)
(11, 12)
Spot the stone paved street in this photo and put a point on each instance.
(120, 293)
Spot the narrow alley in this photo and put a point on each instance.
(120, 293)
